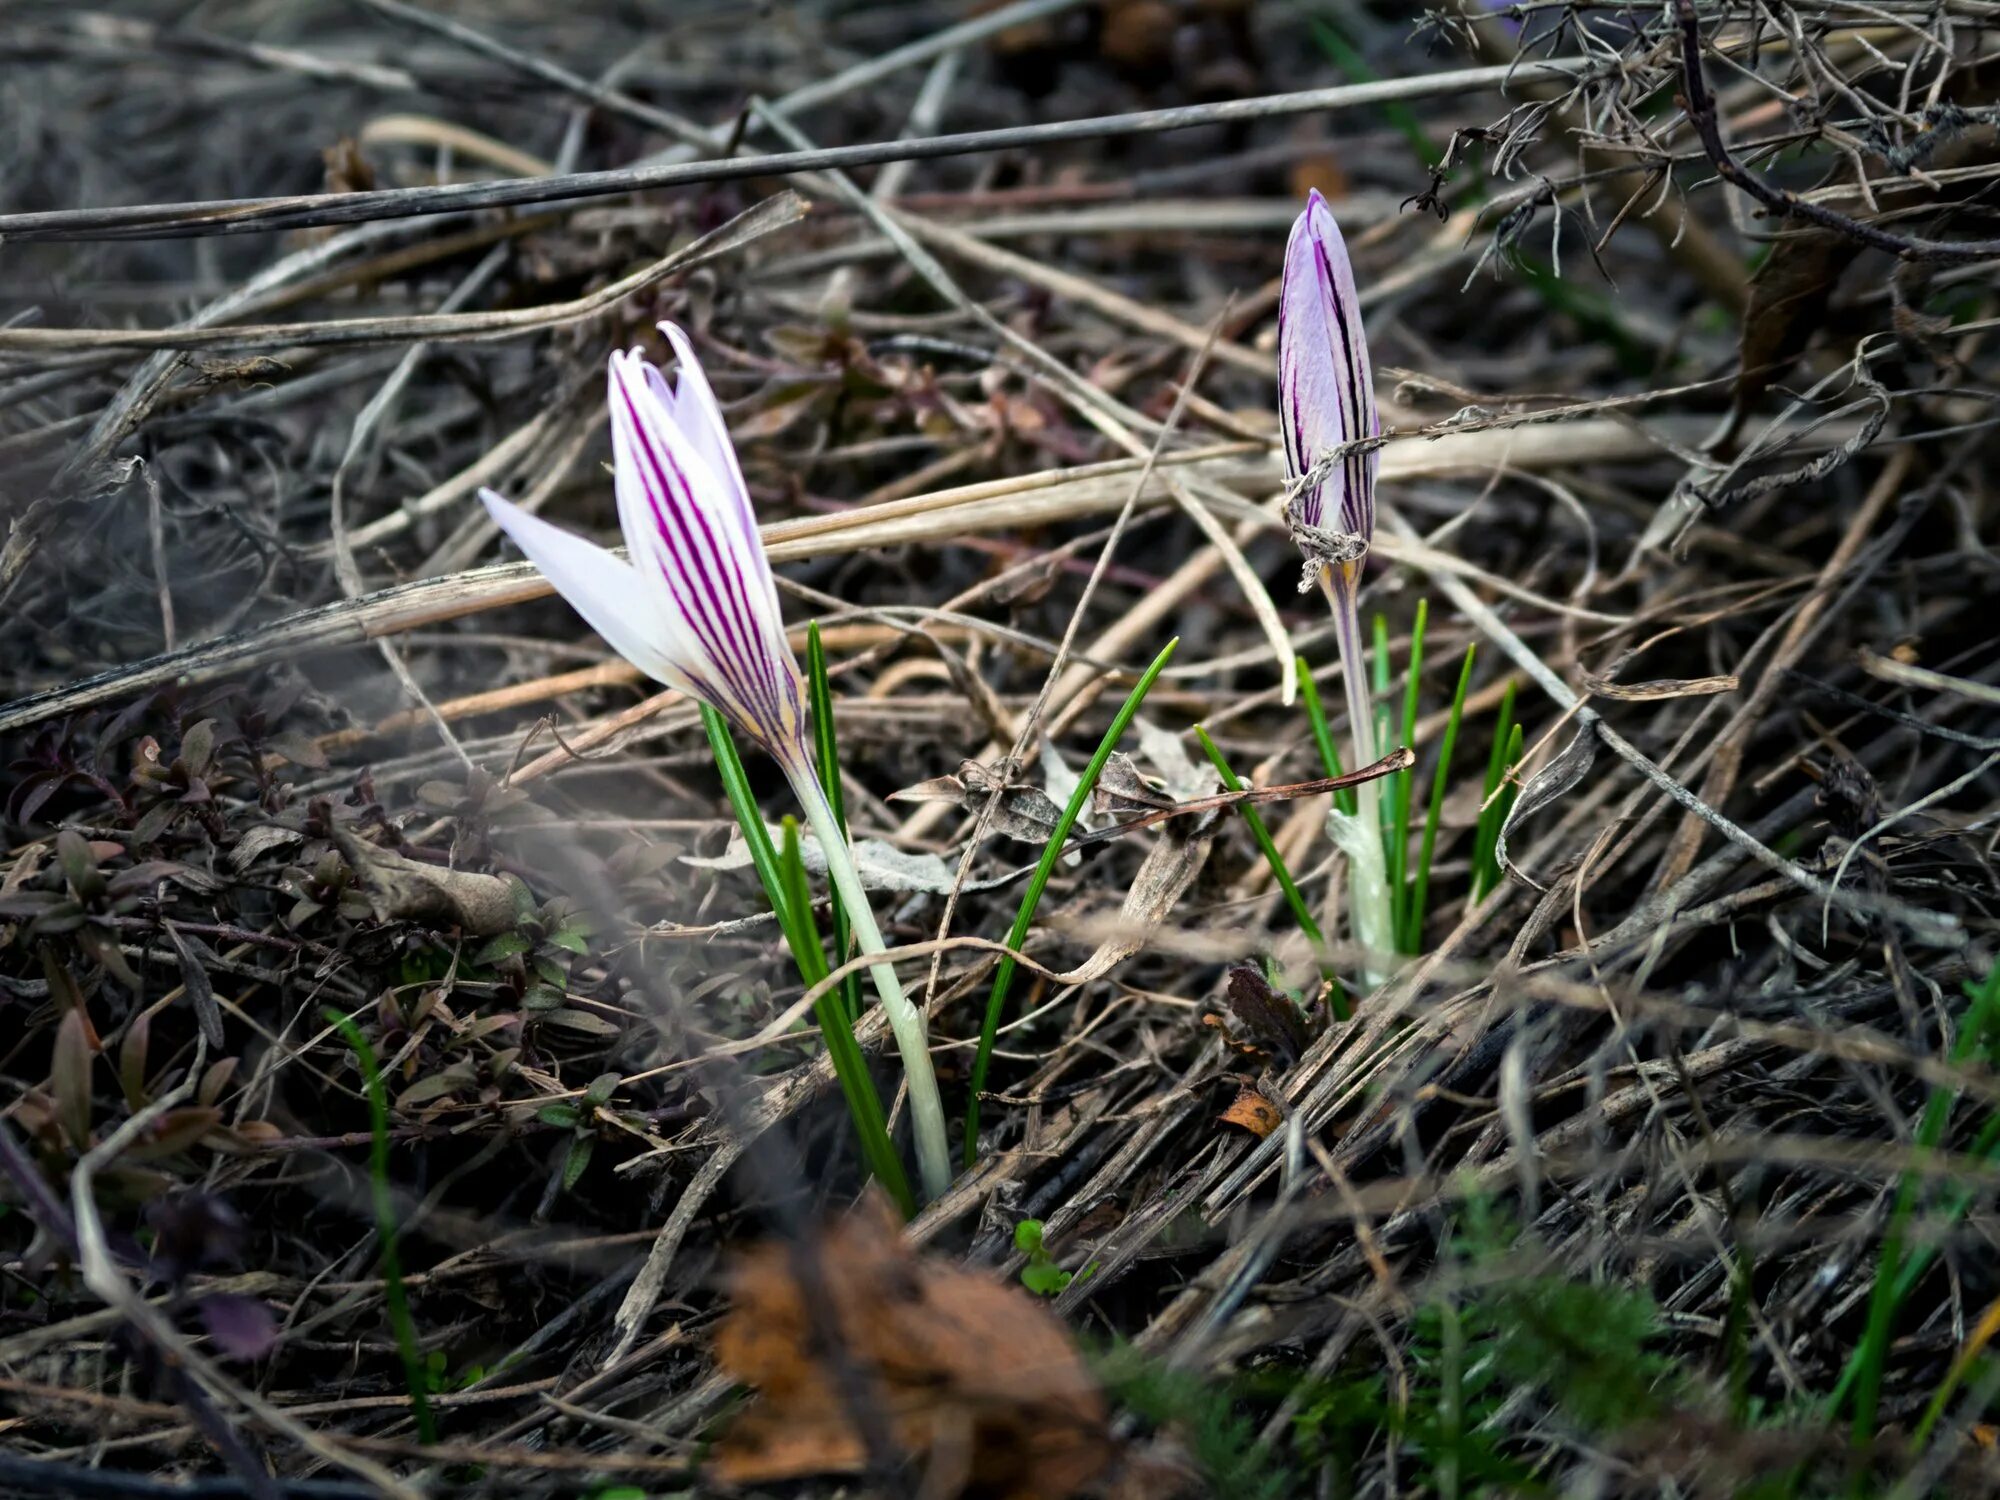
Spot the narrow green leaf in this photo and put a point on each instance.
(1003, 976)
(1329, 754)
(577, 1162)
(827, 756)
(1865, 1370)
(1485, 871)
(1413, 930)
(394, 1293)
(794, 914)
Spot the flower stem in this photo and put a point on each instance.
(906, 1022)
(1368, 885)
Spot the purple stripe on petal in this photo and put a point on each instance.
(705, 575)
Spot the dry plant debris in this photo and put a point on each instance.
(967, 1376)
(396, 1038)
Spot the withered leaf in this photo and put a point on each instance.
(1122, 788)
(69, 1078)
(1266, 1021)
(1664, 687)
(972, 1376)
(1163, 877)
(1251, 1111)
(400, 888)
(194, 979)
(1025, 812)
(174, 1132)
(1789, 297)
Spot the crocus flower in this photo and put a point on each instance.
(1326, 399)
(696, 608)
(1326, 391)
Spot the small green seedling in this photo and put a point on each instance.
(1041, 1275)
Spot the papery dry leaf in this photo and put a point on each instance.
(1662, 687)
(1123, 788)
(400, 888)
(972, 1377)
(1168, 869)
(1025, 812)
(1253, 1112)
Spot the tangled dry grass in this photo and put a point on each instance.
(1684, 318)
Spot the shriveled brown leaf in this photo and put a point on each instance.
(970, 1375)
(1025, 812)
(1262, 1022)
(1169, 868)
(69, 1078)
(1665, 687)
(1251, 1111)
(400, 889)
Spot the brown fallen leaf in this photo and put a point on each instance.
(1251, 1111)
(974, 1378)
(400, 888)
(1263, 1025)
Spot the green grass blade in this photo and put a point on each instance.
(827, 755)
(1329, 753)
(791, 903)
(1254, 820)
(1401, 786)
(1510, 793)
(393, 1291)
(1003, 976)
(1871, 1355)
(1485, 868)
(1413, 930)
(742, 802)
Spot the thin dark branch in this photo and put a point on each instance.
(1701, 113)
(309, 210)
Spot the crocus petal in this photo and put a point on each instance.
(699, 417)
(700, 421)
(608, 592)
(692, 536)
(1326, 386)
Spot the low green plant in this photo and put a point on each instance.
(1041, 1275)
(544, 938)
(1209, 1418)
(1900, 1265)
(580, 1120)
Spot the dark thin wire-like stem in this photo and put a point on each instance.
(308, 210)
(1702, 115)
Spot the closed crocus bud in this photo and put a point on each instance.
(1326, 399)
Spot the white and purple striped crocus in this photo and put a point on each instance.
(696, 608)
(1326, 401)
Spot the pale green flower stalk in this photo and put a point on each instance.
(696, 608)
(1326, 398)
